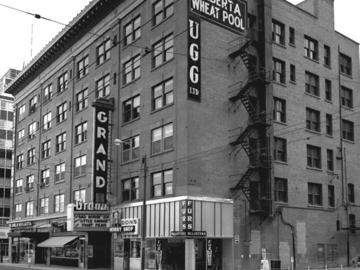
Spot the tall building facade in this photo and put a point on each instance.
(219, 133)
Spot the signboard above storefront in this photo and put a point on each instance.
(229, 14)
(126, 226)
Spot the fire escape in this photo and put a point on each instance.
(254, 183)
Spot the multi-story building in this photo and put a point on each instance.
(220, 132)
(7, 78)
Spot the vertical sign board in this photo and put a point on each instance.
(194, 57)
(187, 216)
(100, 165)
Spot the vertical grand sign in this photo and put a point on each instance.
(194, 59)
(187, 216)
(101, 137)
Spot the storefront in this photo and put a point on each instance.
(181, 233)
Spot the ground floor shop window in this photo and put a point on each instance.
(22, 250)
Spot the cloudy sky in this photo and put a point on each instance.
(16, 27)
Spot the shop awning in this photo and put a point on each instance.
(58, 241)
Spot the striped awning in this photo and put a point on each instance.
(58, 241)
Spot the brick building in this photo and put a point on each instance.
(228, 117)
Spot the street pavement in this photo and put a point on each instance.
(9, 266)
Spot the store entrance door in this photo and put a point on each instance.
(175, 255)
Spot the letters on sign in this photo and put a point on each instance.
(230, 14)
(194, 60)
(187, 215)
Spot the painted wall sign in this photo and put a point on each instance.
(194, 60)
(91, 221)
(100, 166)
(230, 14)
(83, 206)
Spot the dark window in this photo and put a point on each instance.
(60, 172)
(328, 90)
(314, 194)
(311, 48)
(130, 149)
(6, 154)
(352, 223)
(313, 156)
(60, 142)
(346, 97)
(45, 149)
(83, 67)
(280, 149)
(61, 112)
(162, 183)
(33, 104)
(81, 132)
(47, 121)
(347, 130)
(278, 70)
(48, 92)
(163, 94)
(20, 161)
(161, 10)
(327, 56)
(31, 156)
(278, 32)
(351, 192)
(163, 50)
(103, 52)
(45, 178)
(132, 69)
(103, 86)
(292, 73)
(130, 188)
(329, 125)
(131, 109)
(345, 64)
(331, 196)
(132, 30)
(162, 139)
(82, 100)
(291, 36)
(312, 83)
(63, 82)
(281, 190)
(279, 110)
(32, 129)
(30, 179)
(330, 159)
(313, 120)
(5, 173)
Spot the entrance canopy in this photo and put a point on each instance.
(58, 241)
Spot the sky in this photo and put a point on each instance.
(17, 47)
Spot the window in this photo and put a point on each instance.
(161, 10)
(59, 203)
(314, 194)
(81, 132)
(60, 172)
(103, 52)
(352, 223)
(281, 190)
(47, 121)
(82, 100)
(345, 64)
(80, 195)
(313, 156)
(48, 92)
(346, 97)
(45, 149)
(328, 90)
(20, 161)
(163, 94)
(5, 154)
(163, 50)
(330, 159)
(31, 156)
(83, 67)
(45, 178)
(131, 108)
(278, 70)
(278, 32)
(18, 186)
(291, 36)
(280, 149)
(130, 149)
(132, 69)
(18, 210)
(21, 136)
(311, 83)
(32, 130)
(33, 104)
(132, 30)
(351, 193)
(63, 82)
(279, 110)
(292, 73)
(162, 183)
(30, 182)
(80, 166)
(327, 56)
(313, 120)
(103, 86)
(347, 130)
(29, 209)
(60, 142)
(22, 112)
(44, 206)
(329, 125)
(130, 188)
(311, 48)
(162, 139)
(61, 114)
(331, 196)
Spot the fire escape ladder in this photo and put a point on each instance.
(242, 139)
(243, 183)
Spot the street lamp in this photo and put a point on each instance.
(119, 142)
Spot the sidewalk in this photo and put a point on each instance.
(43, 266)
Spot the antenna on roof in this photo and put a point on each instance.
(31, 41)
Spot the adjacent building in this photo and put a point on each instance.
(189, 135)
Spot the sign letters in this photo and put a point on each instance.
(194, 57)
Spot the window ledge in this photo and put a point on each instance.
(59, 182)
(281, 162)
(103, 63)
(328, 101)
(130, 122)
(279, 44)
(327, 66)
(161, 153)
(162, 64)
(312, 95)
(346, 75)
(129, 83)
(79, 79)
(153, 26)
(162, 108)
(313, 131)
(280, 123)
(281, 203)
(292, 82)
(292, 45)
(351, 109)
(315, 206)
(79, 176)
(313, 60)
(80, 143)
(59, 93)
(348, 141)
(329, 136)
(131, 43)
(314, 169)
(279, 83)
(130, 162)
(59, 152)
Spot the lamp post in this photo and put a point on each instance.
(119, 142)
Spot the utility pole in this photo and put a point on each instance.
(143, 213)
